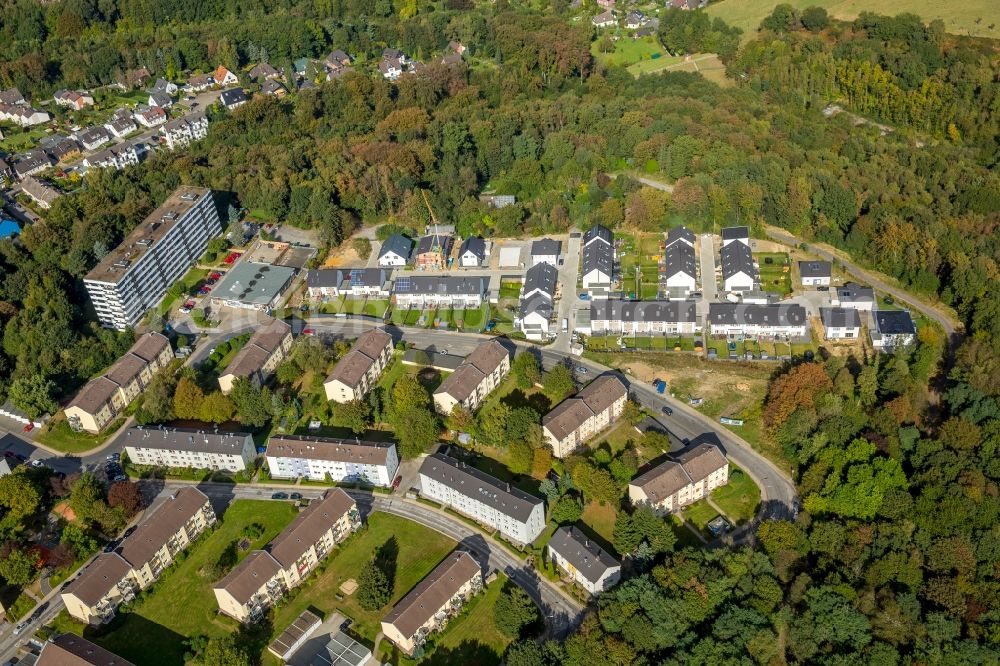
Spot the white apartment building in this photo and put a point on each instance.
(181, 132)
(840, 323)
(429, 606)
(764, 320)
(575, 420)
(116, 157)
(692, 475)
(184, 447)
(260, 356)
(134, 276)
(586, 563)
(265, 576)
(313, 458)
(356, 373)
(116, 577)
(520, 517)
(615, 317)
(476, 378)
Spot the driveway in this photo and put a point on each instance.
(568, 304)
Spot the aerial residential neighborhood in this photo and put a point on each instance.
(461, 332)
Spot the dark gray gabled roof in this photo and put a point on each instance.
(434, 243)
(476, 246)
(737, 258)
(600, 256)
(894, 322)
(546, 247)
(680, 234)
(735, 233)
(480, 486)
(537, 303)
(815, 269)
(396, 244)
(542, 277)
(233, 96)
(669, 312)
(583, 553)
(855, 293)
(759, 315)
(444, 285)
(321, 278)
(840, 317)
(598, 232)
(679, 258)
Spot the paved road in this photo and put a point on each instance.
(952, 328)
(568, 302)
(709, 284)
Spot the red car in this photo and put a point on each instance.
(29, 427)
(214, 276)
(309, 331)
(205, 289)
(233, 256)
(397, 480)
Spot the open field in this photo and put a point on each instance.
(56, 434)
(739, 498)
(960, 19)
(629, 51)
(182, 604)
(706, 64)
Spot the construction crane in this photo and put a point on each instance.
(438, 247)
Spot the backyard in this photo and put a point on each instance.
(739, 498)
(371, 307)
(450, 318)
(182, 604)
(639, 256)
(775, 272)
(641, 342)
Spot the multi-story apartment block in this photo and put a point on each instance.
(442, 291)
(115, 157)
(184, 447)
(577, 419)
(614, 317)
(693, 474)
(115, 578)
(265, 576)
(104, 398)
(356, 373)
(588, 565)
(764, 320)
(313, 458)
(433, 602)
(181, 132)
(134, 276)
(260, 356)
(71, 650)
(476, 378)
(520, 517)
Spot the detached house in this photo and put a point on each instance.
(840, 323)
(160, 100)
(264, 72)
(223, 77)
(891, 329)
(477, 377)
(681, 268)
(395, 251)
(121, 124)
(93, 138)
(587, 564)
(815, 273)
(74, 99)
(265, 576)
(233, 99)
(151, 116)
(391, 68)
(356, 373)
(736, 235)
(40, 192)
(274, 89)
(576, 419)
(605, 20)
(545, 251)
(691, 476)
(435, 600)
(854, 296)
(200, 82)
(260, 356)
(472, 253)
(34, 161)
(114, 157)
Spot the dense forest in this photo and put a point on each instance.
(895, 557)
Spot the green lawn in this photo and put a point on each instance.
(700, 514)
(774, 276)
(182, 603)
(420, 549)
(972, 17)
(57, 434)
(651, 66)
(191, 282)
(510, 289)
(739, 498)
(601, 519)
(628, 51)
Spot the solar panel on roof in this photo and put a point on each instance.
(357, 278)
(403, 284)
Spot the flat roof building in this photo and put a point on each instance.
(135, 275)
(294, 635)
(253, 286)
(519, 516)
(315, 458)
(578, 418)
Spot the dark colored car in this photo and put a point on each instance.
(279, 496)
(295, 496)
(668, 411)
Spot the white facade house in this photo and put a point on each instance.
(184, 447)
(356, 373)
(587, 564)
(854, 296)
(538, 296)
(545, 251)
(314, 458)
(615, 317)
(182, 131)
(395, 251)
(691, 476)
(736, 235)
(681, 268)
(114, 157)
(815, 273)
(840, 323)
(472, 253)
(135, 276)
(440, 291)
(764, 320)
(520, 517)
(891, 329)
(597, 271)
(738, 271)
(23, 115)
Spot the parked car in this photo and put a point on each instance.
(21, 627)
(38, 611)
(28, 427)
(668, 411)
(295, 496)
(279, 496)
(37, 464)
(111, 546)
(582, 370)
(129, 531)
(397, 480)
(185, 310)
(346, 624)
(309, 331)
(114, 456)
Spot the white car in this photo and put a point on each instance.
(21, 627)
(185, 310)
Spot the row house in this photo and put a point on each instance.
(182, 131)
(326, 283)
(538, 298)
(692, 475)
(616, 317)
(598, 261)
(477, 377)
(680, 268)
(441, 291)
(189, 448)
(429, 606)
(43, 194)
(104, 398)
(32, 162)
(356, 373)
(116, 577)
(265, 576)
(738, 270)
(260, 356)
(763, 320)
(584, 561)
(518, 516)
(322, 458)
(577, 419)
(23, 115)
